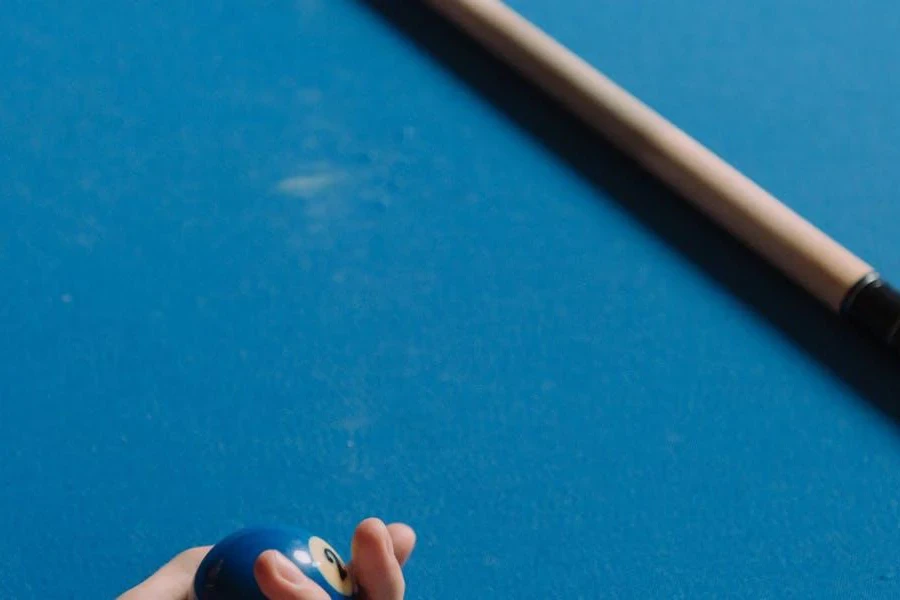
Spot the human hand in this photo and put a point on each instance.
(378, 552)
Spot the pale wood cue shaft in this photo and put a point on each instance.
(804, 253)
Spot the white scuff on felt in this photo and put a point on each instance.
(308, 185)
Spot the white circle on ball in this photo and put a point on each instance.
(332, 567)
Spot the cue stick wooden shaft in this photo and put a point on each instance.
(805, 254)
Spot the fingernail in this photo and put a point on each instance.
(288, 570)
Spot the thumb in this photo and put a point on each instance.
(280, 579)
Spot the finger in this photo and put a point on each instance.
(375, 565)
(172, 581)
(280, 579)
(404, 540)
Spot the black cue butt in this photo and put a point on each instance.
(874, 306)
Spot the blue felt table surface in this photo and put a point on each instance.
(312, 261)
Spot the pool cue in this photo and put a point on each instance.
(845, 283)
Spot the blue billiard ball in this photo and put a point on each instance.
(226, 573)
